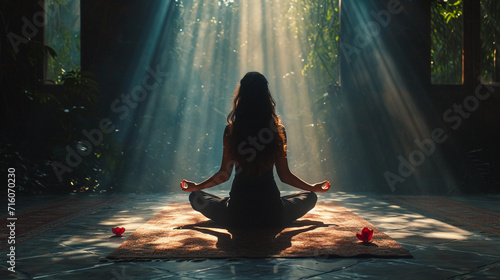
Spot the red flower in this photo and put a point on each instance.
(118, 230)
(366, 235)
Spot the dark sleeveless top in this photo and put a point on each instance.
(255, 201)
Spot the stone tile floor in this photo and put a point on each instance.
(76, 250)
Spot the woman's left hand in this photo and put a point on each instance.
(188, 186)
(321, 187)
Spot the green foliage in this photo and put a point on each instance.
(56, 113)
(62, 32)
(317, 24)
(95, 172)
(78, 87)
(490, 34)
(446, 41)
(80, 84)
(36, 51)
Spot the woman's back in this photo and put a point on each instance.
(254, 142)
(254, 200)
(249, 187)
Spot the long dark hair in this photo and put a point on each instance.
(256, 135)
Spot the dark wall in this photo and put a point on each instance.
(111, 33)
(399, 40)
(21, 59)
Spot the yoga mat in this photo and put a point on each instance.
(329, 230)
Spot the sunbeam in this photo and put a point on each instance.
(176, 130)
(399, 137)
(371, 132)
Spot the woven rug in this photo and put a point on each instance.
(329, 230)
(37, 220)
(453, 212)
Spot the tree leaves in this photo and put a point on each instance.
(317, 24)
(446, 41)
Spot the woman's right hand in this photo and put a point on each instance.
(188, 186)
(321, 187)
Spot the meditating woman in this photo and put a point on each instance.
(254, 142)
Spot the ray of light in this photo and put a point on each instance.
(176, 132)
(382, 87)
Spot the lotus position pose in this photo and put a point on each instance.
(254, 142)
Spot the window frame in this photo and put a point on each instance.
(471, 69)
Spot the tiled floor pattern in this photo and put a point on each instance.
(77, 249)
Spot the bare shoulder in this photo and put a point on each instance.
(282, 127)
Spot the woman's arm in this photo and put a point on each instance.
(220, 176)
(287, 177)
